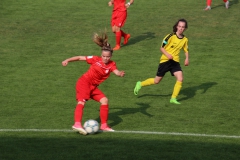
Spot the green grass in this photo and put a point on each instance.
(115, 146)
(36, 92)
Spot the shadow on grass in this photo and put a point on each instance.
(190, 92)
(233, 2)
(140, 37)
(221, 5)
(47, 146)
(154, 95)
(124, 111)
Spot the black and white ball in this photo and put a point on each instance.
(91, 126)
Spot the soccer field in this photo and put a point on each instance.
(37, 94)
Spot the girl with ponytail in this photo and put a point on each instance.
(87, 84)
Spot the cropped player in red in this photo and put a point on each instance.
(209, 2)
(87, 84)
(119, 16)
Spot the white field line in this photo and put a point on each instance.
(129, 132)
(181, 134)
(36, 130)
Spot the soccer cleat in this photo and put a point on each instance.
(227, 4)
(117, 47)
(207, 8)
(137, 88)
(126, 38)
(79, 129)
(105, 127)
(174, 101)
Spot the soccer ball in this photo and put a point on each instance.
(91, 126)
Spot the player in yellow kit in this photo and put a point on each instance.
(169, 61)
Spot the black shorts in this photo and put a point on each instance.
(170, 65)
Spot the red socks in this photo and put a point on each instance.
(119, 35)
(123, 34)
(209, 2)
(104, 113)
(118, 38)
(78, 113)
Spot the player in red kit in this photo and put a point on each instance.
(119, 16)
(87, 84)
(209, 2)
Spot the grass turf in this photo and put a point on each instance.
(37, 92)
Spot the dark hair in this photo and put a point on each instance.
(102, 41)
(180, 20)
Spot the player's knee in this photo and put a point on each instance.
(81, 102)
(117, 29)
(114, 29)
(180, 79)
(156, 81)
(104, 100)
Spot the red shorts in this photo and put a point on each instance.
(118, 18)
(85, 91)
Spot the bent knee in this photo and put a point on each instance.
(81, 102)
(156, 82)
(104, 100)
(180, 79)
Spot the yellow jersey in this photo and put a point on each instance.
(173, 44)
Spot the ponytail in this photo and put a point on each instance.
(102, 41)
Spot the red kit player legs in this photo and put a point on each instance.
(119, 16)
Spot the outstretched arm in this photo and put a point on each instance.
(76, 58)
(119, 73)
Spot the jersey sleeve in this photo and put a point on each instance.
(166, 40)
(91, 59)
(185, 46)
(114, 66)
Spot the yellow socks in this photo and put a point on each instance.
(147, 82)
(177, 88)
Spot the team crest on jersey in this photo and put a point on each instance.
(106, 71)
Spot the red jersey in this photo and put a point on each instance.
(98, 71)
(119, 5)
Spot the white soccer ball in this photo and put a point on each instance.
(91, 126)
